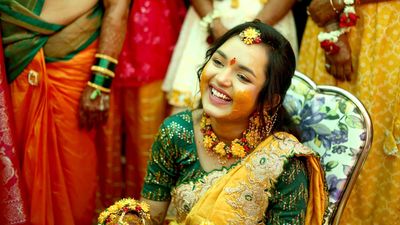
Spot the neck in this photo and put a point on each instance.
(228, 131)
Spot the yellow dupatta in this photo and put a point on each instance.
(241, 196)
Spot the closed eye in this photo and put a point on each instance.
(243, 78)
(217, 63)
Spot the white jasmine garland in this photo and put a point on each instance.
(349, 2)
(349, 9)
(207, 20)
(331, 36)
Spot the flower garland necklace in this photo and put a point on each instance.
(238, 149)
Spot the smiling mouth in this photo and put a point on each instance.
(220, 95)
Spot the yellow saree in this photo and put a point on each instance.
(241, 196)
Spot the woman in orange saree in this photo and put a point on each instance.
(48, 67)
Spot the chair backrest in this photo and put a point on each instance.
(335, 124)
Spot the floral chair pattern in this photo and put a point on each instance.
(335, 124)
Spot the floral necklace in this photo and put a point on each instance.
(238, 149)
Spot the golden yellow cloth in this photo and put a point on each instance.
(59, 159)
(242, 194)
(375, 46)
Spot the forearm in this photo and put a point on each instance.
(113, 28)
(275, 10)
(158, 211)
(202, 7)
(331, 25)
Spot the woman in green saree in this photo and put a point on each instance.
(234, 160)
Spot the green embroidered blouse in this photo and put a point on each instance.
(174, 161)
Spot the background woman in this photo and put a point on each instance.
(210, 19)
(367, 65)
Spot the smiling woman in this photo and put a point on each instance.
(233, 161)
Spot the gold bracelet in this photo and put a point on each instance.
(333, 7)
(95, 86)
(103, 56)
(103, 70)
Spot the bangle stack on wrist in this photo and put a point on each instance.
(333, 7)
(103, 73)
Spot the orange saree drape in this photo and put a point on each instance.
(12, 202)
(58, 158)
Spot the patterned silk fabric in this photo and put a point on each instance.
(12, 204)
(375, 47)
(174, 171)
(150, 39)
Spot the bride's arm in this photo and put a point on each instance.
(158, 211)
(161, 173)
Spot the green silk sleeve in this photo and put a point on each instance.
(161, 169)
(288, 201)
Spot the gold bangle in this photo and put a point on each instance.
(109, 58)
(103, 70)
(333, 7)
(95, 86)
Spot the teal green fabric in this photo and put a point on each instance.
(174, 161)
(24, 33)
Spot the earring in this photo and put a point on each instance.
(269, 120)
(254, 133)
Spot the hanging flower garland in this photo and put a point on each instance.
(347, 19)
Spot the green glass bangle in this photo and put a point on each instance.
(101, 80)
(104, 63)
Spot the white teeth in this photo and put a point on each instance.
(220, 95)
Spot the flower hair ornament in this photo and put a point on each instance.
(125, 212)
(250, 36)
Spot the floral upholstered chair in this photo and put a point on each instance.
(335, 124)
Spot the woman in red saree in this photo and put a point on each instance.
(11, 192)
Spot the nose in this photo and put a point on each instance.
(224, 77)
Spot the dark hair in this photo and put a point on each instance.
(279, 70)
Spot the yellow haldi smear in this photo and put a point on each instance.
(241, 105)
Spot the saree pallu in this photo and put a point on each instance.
(59, 159)
(241, 195)
(11, 191)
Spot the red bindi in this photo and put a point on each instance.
(233, 61)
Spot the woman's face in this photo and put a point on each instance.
(232, 79)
